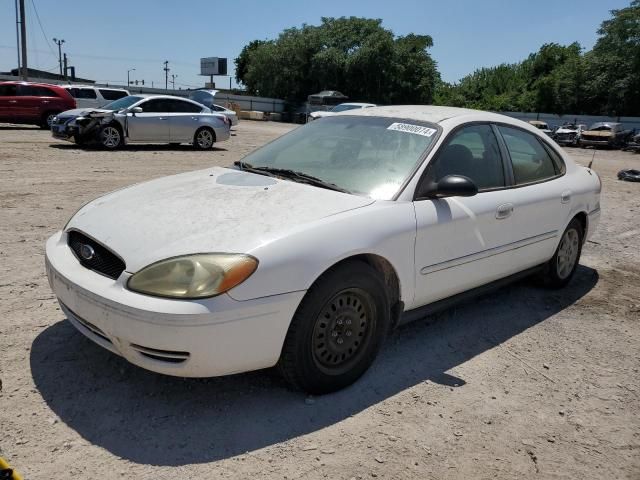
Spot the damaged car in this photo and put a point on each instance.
(569, 134)
(143, 119)
(604, 134)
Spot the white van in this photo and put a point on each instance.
(88, 96)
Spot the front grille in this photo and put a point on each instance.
(168, 356)
(96, 257)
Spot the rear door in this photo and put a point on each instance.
(152, 125)
(8, 101)
(542, 195)
(28, 105)
(184, 120)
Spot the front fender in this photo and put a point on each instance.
(293, 262)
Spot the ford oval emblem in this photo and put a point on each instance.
(87, 252)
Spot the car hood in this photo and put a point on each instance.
(213, 210)
(81, 112)
(321, 113)
(566, 130)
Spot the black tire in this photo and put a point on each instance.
(110, 136)
(560, 269)
(47, 120)
(174, 144)
(328, 312)
(204, 138)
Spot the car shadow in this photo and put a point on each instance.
(136, 148)
(154, 419)
(21, 127)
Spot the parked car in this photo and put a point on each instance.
(604, 134)
(312, 248)
(569, 134)
(343, 107)
(634, 144)
(33, 103)
(207, 98)
(327, 97)
(143, 119)
(88, 96)
(541, 126)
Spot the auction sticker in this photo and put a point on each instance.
(409, 128)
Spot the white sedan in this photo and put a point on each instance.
(308, 251)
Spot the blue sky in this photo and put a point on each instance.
(104, 39)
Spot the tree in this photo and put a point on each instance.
(356, 56)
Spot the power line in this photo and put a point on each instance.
(42, 28)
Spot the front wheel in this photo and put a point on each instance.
(47, 120)
(204, 139)
(560, 269)
(337, 330)
(110, 137)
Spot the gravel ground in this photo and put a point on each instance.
(522, 383)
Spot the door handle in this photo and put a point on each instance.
(162, 118)
(45, 101)
(566, 196)
(13, 101)
(503, 211)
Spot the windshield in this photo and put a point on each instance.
(124, 102)
(369, 156)
(344, 108)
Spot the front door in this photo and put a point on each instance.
(184, 120)
(464, 242)
(152, 124)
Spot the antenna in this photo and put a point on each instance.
(593, 157)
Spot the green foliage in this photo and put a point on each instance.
(356, 56)
(561, 79)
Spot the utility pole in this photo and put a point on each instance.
(59, 43)
(23, 42)
(17, 35)
(166, 73)
(64, 59)
(173, 81)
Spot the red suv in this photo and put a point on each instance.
(33, 103)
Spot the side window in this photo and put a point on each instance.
(73, 92)
(8, 90)
(26, 91)
(87, 93)
(531, 161)
(473, 152)
(112, 94)
(179, 106)
(157, 105)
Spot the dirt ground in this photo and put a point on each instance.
(522, 383)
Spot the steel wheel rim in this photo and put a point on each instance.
(342, 331)
(205, 139)
(567, 253)
(110, 137)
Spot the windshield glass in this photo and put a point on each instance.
(124, 102)
(344, 108)
(369, 156)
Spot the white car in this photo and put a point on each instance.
(309, 250)
(89, 96)
(343, 107)
(143, 119)
(207, 98)
(569, 134)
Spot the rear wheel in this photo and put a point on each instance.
(337, 330)
(560, 269)
(110, 136)
(204, 139)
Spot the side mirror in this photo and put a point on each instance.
(449, 186)
(135, 110)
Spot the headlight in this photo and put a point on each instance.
(193, 276)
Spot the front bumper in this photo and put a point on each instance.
(64, 132)
(596, 143)
(205, 338)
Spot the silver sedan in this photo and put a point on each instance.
(143, 119)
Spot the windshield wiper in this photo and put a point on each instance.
(291, 175)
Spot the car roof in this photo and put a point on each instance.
(39, 84)
(93, 86)
(426, 113)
